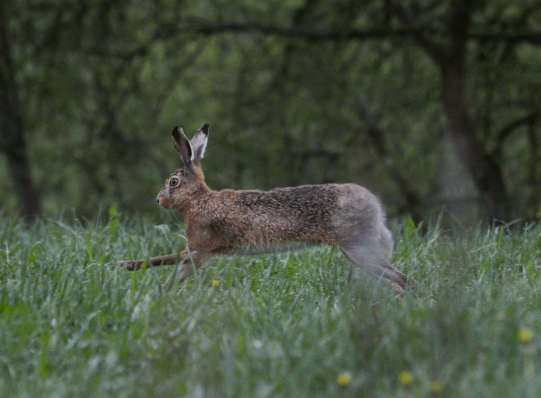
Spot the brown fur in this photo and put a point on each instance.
(346, 216)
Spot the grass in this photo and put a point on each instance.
(282, 325)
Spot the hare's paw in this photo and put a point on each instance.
(131, 265)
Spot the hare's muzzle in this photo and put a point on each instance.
(161, 199)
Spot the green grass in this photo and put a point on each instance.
(282, 325)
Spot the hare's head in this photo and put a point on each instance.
(188, 181)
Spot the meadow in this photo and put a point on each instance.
(289, 324)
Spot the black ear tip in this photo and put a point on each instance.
(205, 128)
(177, 132)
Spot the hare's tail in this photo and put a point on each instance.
(387, 237)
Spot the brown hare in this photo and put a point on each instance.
(343, 215)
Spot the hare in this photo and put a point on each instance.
(347, 216)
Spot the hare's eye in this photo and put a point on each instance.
(173, 182)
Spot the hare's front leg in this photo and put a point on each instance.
(197, 258)
(171, 259)
(190, 260)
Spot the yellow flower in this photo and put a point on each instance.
(405, 377)
(344, 378)
(215, 282)
(434, 387)
(525, 335)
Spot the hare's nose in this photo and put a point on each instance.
(157, 200)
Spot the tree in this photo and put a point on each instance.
(451, 59)
(12, 137)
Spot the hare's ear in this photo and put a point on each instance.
(199, 142)
(183, 146)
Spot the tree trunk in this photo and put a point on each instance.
(451, 59)
(485, 170)
(486, 173)
(12, 141)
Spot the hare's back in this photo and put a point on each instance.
(306, 202)
(313, 204)
(348, 213)
(284, 215)
(314, 213)
(330, 213)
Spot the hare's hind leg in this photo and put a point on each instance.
(374, 263)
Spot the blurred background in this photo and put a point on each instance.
(430, 104)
